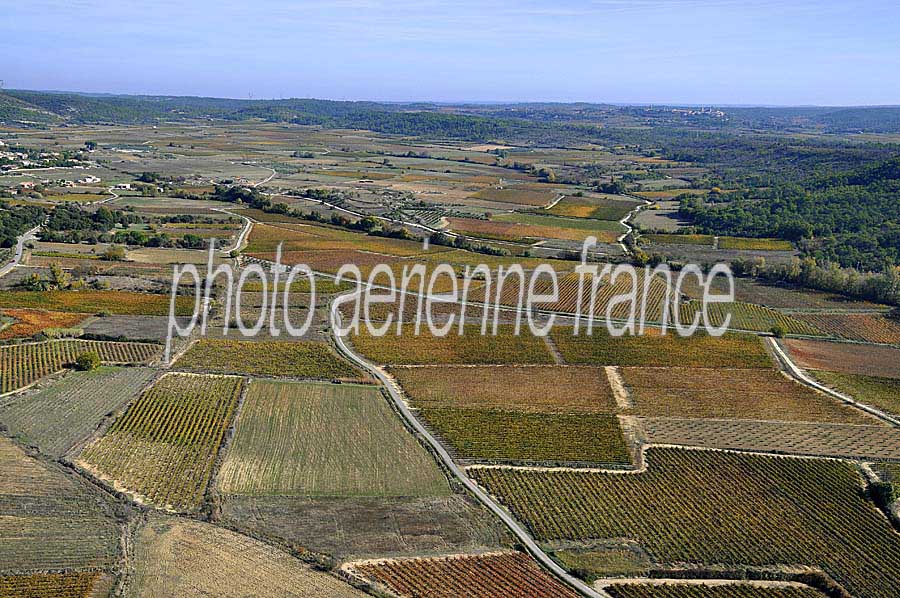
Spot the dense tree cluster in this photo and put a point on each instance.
(15, 220)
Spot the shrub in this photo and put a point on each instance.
(778, 331)
(87, 361)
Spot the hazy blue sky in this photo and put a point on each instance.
(688, 51)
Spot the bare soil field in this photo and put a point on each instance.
(493, 575)
(313, 439)
(364, 527)
(57, 417)
(191, 559)
(827, 440)
(846, 358)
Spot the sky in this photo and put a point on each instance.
(709, 52)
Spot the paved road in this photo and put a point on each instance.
(242, 237)
(523, 536)
(20, 249)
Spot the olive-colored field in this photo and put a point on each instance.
(858, 327)
(593, 207)
(537, 389)
(471, 347)
(163, 447)
(59, 416)
(266, 358)
(191, 559)
(882, 393)
(654, 349)
(314, 439)
(114, 302)
(49, 585)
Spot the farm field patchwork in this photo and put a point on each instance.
(717, 508)
(720, 393)
(535, 389)
(114, 302)
(25, 363)
(50, 519)
(492, 575)
(470, 347)
(163, 447)
(182, 557)
(654, 349)
(315, 439)
(487, 435)
(57, 417)
(266, 358)
(881, 393)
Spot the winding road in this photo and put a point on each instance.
(20, 249)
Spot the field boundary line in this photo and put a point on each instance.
(620, 392)
(517, 530)
(800, 374)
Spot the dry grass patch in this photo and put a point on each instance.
(30, 322)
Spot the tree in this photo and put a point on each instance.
(87, 361)
(114, 253)
(90, 145)
(59, 278)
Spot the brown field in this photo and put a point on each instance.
(857, 327)
(721, 393)
(518, 195)
(32, 321)
(512, 231)
(492, 575)
(49, 585)
(727, 590)
(539, 389)
(191, 559)
(847, 358)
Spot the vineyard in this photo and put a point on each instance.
(882, 393)
(589, 207)
(48, 585)
(471, 347)
(655, 349)
(748, 316)
(518, 195)
(57, 417)
(718, 508)
(747, 243)
(88, 302)
(51, 520)
(24, 364)
(731, 590)
(732, 394)
(475, 576)
(312, 439)
(845, 358)
(537, 389)
(485, 435)
(857, 327)
(266, 358)
(164, 445)
(32, 321)
(191, 559)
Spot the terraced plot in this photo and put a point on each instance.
(732, 590)
(25, 363)
(182, 557)
(828, 440)
(57, 417)
(471, 347)
(163, 447)
(309, 439)
(267, 358)
(51, 520)
(537, 389)
(720, 393)
(654, 349)
(487, 435)
(881, 393)
(714, 507)
(492, 575)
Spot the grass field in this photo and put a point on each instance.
(652, 349)
(538, 389)
(51, 520)
(114, 302)
(471, 347)
(30, 322)
(191, 559)
(163, 447)
(732, 590)
(474, 576)
(57, 417)
(882, 393)
(268, 358)
(488, 435)
(712, 507)
(314, 439)
(48, 585)
(25, 363)
(721, 393)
